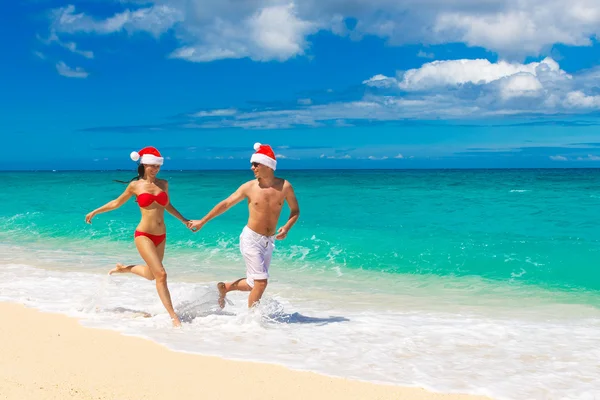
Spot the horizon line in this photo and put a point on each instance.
(304, 169)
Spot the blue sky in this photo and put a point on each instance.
(329, 83)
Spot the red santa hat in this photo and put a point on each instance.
(264, 155)
(147, 155)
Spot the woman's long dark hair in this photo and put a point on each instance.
(140, 175)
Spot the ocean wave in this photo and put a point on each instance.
(346, 333)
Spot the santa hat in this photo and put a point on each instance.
(264, 155)
(147, 155)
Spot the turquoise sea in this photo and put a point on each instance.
(472, 281)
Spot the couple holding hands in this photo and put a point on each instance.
(265, 195)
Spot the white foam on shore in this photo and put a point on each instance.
(539, 351)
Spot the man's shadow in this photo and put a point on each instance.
(297, 318)
(189, 311)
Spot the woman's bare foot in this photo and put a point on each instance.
(119, 269)
(176, 322)
(222, 293)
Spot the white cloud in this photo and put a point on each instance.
(423, 54)
(64, 70)
(578, 99)
(279, 29)
(444, 91)
(590, 157)
(522, 27)
(479, 71)
(344, 157)
(522, 84)
(225, 112)
(73, 48)
(340, 123)
(273, 32)
(155, 20)
(399, 156)
(558, 158)
(40, 55)
(381, 81)
(377, 158)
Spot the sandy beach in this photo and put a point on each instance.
(51, 356)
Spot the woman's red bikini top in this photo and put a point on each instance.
(146, 199)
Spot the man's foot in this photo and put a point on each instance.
(119, 269)
(222, 293)
(176, 322)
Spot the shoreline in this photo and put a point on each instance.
(52, 356)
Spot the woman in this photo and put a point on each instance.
(150, 235)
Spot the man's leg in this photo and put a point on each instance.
(257, 259)
(225, 287)
(257, 291)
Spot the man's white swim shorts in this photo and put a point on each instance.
(257, 251)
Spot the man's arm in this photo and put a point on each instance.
(290, 197)
(237, 196)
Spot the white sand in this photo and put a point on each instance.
(50, 356)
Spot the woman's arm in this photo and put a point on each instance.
(171, 209)
(113, 204)
(237, 196)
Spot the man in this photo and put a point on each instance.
(266, 195)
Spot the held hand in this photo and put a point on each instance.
(88, 218)
(195, 225)
(281, 233)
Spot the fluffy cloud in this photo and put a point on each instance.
(558, 158)
(271, 33)
(522, 27)
(441, 89)
(71, 46)
(278, 29)
(481, 71)
(215, 113)
(381, 81)
(64, 70)
(470, 88)
(155, 20)
(578, 99)
(590, 157)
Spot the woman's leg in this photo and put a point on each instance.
(153, 259)
(142, 270)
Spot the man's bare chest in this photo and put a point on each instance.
(267, 198)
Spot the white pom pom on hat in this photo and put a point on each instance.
(257, 146)
(147, 155)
